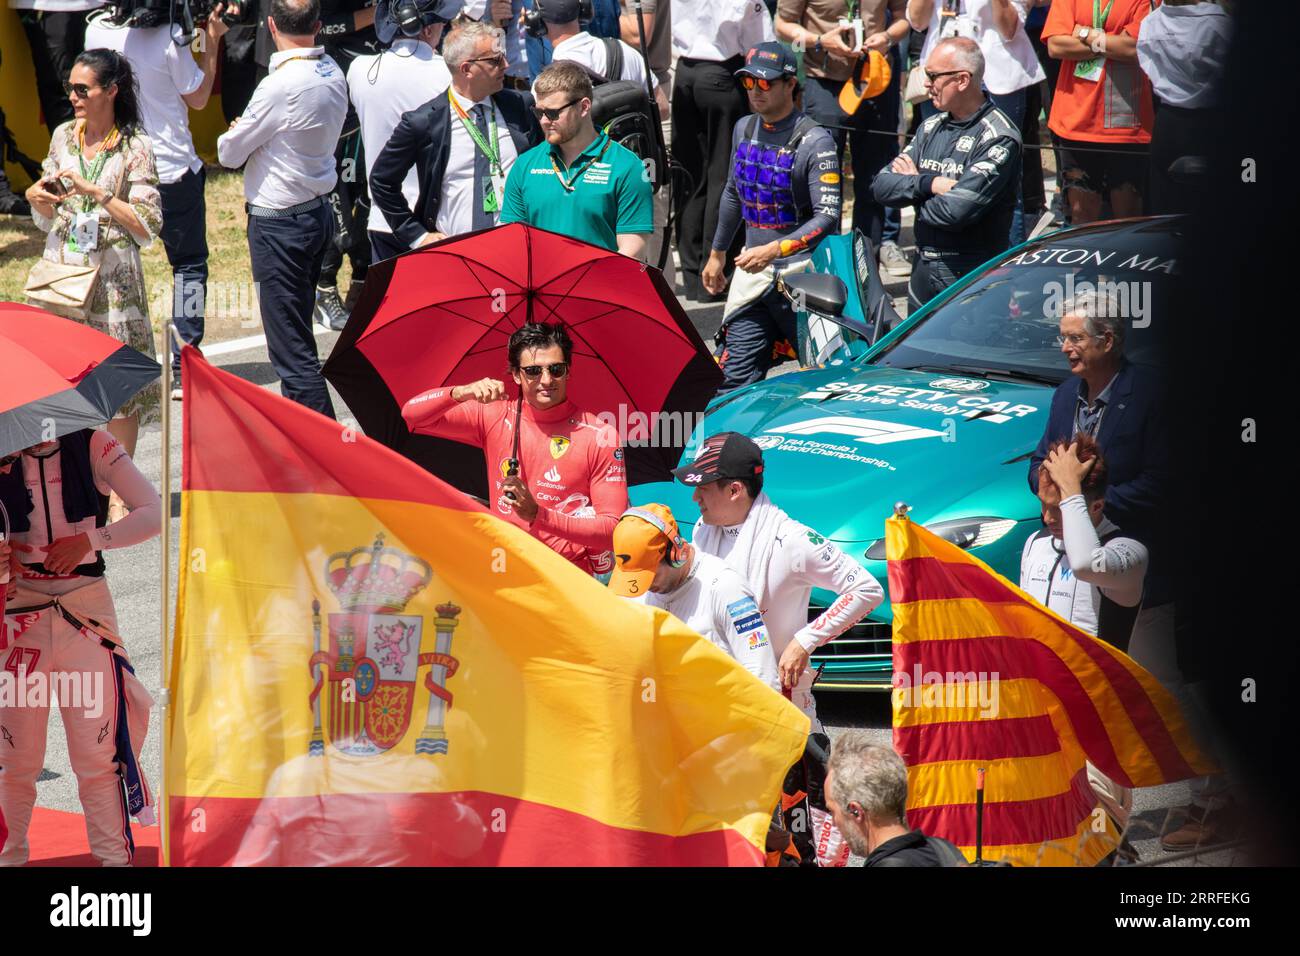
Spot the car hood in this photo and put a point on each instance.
(844, 443)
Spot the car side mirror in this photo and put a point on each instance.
(818, 302)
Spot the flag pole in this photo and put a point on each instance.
(979, 817)
(165, 491)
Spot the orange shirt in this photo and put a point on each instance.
(1116, 108)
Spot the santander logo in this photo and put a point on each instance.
(553, 474)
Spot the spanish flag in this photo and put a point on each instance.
(986, 677)
(371, 669)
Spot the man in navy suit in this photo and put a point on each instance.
(1118, 404)
(462, 144)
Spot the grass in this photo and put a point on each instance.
(229, 272)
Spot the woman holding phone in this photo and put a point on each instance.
(99, 204)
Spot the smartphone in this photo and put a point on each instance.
(55, 186)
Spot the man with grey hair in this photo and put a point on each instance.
(866, 792)
(462, 144)
(960, 171)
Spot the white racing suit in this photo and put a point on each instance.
(59, 638)
(783, 561)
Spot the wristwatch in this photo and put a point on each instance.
(1083, 33)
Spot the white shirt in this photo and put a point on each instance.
(1009, 65)
(456, 205)
(289, 130)
(1070, 576)
(1183, 51)
(164, 71)
(719, 29)
(590, 52)
(716, 603)
(385, 86)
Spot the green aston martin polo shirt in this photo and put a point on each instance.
(609, 194)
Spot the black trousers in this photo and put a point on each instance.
(707, 103)
(930, 276)
(56, 39)
(1178, 132)
(286, 255)
(383, 246)
(872, 137)
(185, 239)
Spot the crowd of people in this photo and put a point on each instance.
(373, 131)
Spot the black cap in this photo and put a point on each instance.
(560, 11)
(724, 455)
(769, 61)
(427, 12)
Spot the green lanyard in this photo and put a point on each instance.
(96, 166)
(1100, 16)
(492, 152)
(573, 180)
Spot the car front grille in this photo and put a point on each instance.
(859, 659)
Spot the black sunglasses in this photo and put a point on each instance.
(81, 89)
(554, 114)
(557, 370)
(497, 58)
(931, 77)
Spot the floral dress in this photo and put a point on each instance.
(119, 305)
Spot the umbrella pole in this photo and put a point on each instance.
(979, 817)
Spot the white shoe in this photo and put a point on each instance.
(894, 260)
(176, 393)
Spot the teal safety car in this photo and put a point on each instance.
(940, 410)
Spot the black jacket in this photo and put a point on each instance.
(982, 153)
(423, 139)
(910, 849)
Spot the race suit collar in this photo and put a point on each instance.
(565, 409)
(973, 118)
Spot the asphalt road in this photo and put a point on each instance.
(134, 578)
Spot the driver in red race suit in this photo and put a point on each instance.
(571, 485)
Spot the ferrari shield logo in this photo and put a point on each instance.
(559, 445)
(365, 692)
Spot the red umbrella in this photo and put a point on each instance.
(442, 315)
(59, 376)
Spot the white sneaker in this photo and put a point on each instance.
(894, 260)
(176, 393)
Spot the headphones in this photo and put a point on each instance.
(677, 544)
(535, 26)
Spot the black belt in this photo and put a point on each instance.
(76, 622)
(266, 212)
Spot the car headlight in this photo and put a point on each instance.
(965, 533)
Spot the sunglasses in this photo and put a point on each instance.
(497, 59)
(931, 77)
(8, 460)
(554, 114)
(749, 82)
(81, 90)
(557, 370)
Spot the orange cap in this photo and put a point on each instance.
(870, 78)
(643, 538)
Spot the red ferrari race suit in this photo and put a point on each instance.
(569, 459)
(59, 637)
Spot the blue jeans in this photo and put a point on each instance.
(286, 256)
(1013, 105)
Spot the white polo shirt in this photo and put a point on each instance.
(717, 30)
(289, 130)
(383, 87)
(164, 72)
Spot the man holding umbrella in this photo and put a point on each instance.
(553, 469)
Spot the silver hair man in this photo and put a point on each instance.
(1102, 311)
(462, 43)
(966, 55)
(870, 777)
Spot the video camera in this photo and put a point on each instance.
(190, 15)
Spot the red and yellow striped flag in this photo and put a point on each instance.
(985, 676)
(372, 669)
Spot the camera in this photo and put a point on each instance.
(189, 15)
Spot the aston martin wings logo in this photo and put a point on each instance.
(867, 430)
